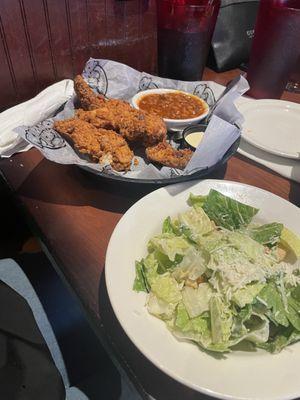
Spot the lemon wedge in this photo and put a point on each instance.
(291, 240)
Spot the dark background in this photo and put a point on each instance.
(43, 41)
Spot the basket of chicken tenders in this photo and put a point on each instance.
(127, 125)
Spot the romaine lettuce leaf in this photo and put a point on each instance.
(168, 226)
(141, 283)
(169, 245)
(221, 320)
(254, 251)
(238, 328)
(160, 308)
(196, 329)
(192, 266)
(166, 288)
(213, 241)
(196, 301)
(293, 311)
(284, 337)
(196, 200)
(271, 297)
(164, 263)
(268, 234)
(150, 268)
(227, 212)
(247, 295)
(196, 221)
(258, 328)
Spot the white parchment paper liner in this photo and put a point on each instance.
(116, 80)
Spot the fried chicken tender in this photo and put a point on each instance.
(88, 99)
(134, 125)
(163, 153)
(103, 146)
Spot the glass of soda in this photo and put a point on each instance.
(185, 29)
(275, 50)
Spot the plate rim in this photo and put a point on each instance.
(162, 368)
(249, 103)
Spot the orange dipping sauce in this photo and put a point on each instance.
(172, 105)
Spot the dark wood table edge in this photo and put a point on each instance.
(98, 328)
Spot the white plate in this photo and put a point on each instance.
(272, 125)
(241, 375)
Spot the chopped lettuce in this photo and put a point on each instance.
(168, 227)
(217, 280)
(159, 307)
(169, 245)
(195, 329)
(283, 338)
(150, 269)
(227, 212)
(270, 296)
(140, 283)
(268, 234)
(196, 221)
(247, 294)
(196, 200)
(166, 288)
(193, 265)
(221, 320)
(196, 301)
(253, 250)
(293, 312)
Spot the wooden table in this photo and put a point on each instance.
(74, 214)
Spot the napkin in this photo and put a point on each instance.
(30, 113)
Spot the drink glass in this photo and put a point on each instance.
(185, 29)
(275, 49)
(294, 80)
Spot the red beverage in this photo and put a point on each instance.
(184, 33)
(275, 49)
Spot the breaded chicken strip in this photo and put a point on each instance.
(88, 99)
(134, 125)
(165, 154)
(103, 146)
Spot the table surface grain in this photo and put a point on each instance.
(74, 214)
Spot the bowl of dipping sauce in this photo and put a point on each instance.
(177, 108)
(192, 135)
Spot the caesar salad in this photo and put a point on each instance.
(220, 280)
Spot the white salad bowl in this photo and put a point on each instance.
(239, 375)
(173, 124)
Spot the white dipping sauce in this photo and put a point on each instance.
(194, 138)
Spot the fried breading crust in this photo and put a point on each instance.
(87, 98)
(163, 153)
(103, 146)
(134, 125)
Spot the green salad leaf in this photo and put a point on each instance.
(268, 234)
(169, 245)
(270, 296)
(141, 283)
(196, 200)
(248, 294)
(227, 212)
(196, 222)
